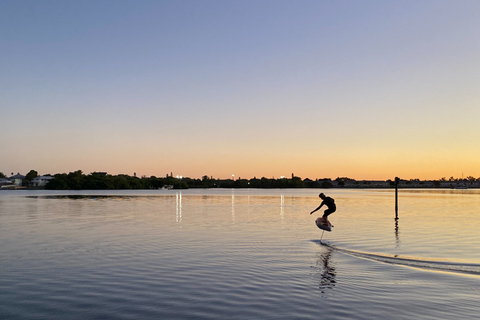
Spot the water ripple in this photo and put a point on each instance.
(447, 266)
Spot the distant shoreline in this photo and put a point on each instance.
(264, 188)
(103, 181)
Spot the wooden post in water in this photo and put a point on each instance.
(397, 180)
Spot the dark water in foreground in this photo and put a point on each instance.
(239, 254)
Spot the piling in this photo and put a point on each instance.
(397, 180)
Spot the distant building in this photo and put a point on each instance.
(41, 181)
(5, 182)
(17, 179)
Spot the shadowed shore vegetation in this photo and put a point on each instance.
(101, 180)
(77, 180)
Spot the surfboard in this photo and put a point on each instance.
(323, 225)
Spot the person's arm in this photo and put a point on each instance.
(317, 208)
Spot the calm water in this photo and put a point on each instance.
(239, 254)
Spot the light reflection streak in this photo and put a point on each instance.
(178, 209)
(282, 210)
(233, 207)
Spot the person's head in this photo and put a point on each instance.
(322, 196)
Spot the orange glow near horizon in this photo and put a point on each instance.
(272, 165)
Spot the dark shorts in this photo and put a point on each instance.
(329, 211)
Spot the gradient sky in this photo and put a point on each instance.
(359, 89)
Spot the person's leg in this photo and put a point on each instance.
(325, 218)
(326, 214)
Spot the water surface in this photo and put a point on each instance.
(239, 254)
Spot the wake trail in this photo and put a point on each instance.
(447, 266)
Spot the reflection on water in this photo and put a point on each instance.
(132, 255)
(397, 237)
(326, 271)
(233, 207)
(282, 210)
(178, 208)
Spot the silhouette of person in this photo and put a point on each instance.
(330, 203)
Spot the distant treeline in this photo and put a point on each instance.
(100, 180)
(77, 180)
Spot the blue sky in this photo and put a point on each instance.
(364, 89)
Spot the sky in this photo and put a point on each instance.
(266, 88)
